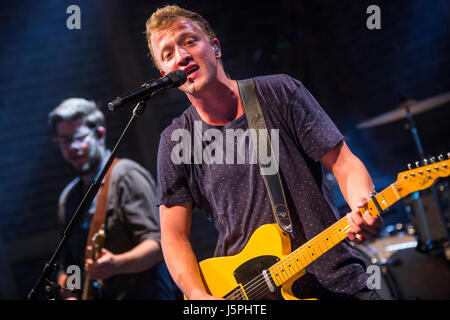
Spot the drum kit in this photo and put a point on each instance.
(414, 258)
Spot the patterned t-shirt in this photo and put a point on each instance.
(212, 167)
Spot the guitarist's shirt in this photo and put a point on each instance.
(131, 218)
(233, 194)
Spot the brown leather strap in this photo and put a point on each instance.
(100, 209)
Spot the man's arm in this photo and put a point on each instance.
(355, 184)
(61, 279)
(142, 257)
(178, 254)
(135, 193)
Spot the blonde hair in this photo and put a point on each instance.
(164, 17)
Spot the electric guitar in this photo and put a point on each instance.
(266, 268)
(91, 288)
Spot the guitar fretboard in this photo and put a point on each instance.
(299, 259)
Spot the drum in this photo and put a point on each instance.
(379, 252)
(406, 272)
(420, 275)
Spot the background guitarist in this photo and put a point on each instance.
(234, 194)
(130, 264)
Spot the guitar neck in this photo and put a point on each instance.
(98, 242)
(299, 259)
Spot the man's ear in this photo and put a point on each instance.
(216, 45)
(100, 131)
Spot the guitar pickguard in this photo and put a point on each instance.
(251, 271)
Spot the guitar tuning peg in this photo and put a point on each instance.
(448, 155)
(409, 166)
(425, 161)
(432, 159)
(417, 164)
(440, 157)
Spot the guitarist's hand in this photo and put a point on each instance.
(103, 268)
(201, 295)
(364, 226)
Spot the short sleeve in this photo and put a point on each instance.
(137, 201)
(172, 184)
(314, 130)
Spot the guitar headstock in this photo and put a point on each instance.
(424, 176)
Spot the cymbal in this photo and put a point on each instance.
(401, 111)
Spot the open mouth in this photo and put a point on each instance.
(77, 157)
(190, 70)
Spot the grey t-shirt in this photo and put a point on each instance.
(234, 194)
(132, 217)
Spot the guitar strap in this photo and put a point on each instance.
(100, 208)
(272, 181)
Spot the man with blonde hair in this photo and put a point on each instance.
(234, 195)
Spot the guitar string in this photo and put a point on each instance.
(254, 287)
(256, 282)
(256, 290)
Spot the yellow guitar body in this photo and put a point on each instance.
(266, 268)
(268, 240)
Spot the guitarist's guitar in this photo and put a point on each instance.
(91, 288)
(266, 268)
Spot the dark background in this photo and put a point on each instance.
(355, 74)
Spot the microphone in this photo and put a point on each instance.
(171, 80)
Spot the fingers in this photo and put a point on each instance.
(96, 271)
(364, 222)
(356, 238)
(374, 222)
(102, 268)
(364, 227)
(368, 219)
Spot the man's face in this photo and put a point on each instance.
(79, 145)
(185, 46)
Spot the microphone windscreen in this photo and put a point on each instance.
(177, 77)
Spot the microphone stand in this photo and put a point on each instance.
(43, 283)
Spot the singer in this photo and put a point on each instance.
(235, 195)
